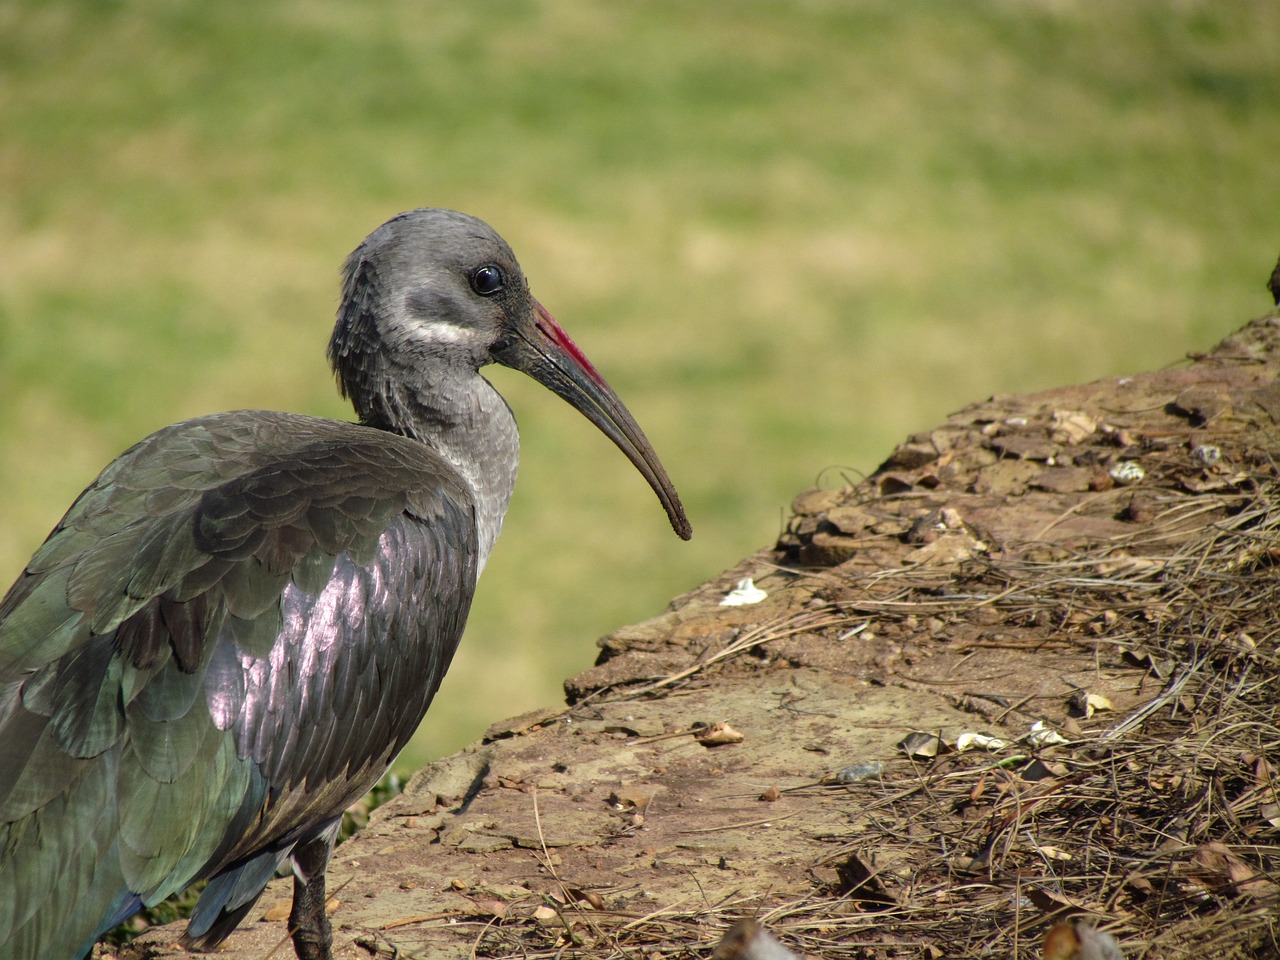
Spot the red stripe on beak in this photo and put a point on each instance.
(553, 332)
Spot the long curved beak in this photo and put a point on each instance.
(544, 351)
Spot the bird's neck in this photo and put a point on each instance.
(467, 422)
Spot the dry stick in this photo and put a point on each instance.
(542, 842)
(801, 623)
(475, 944)
(999, 717)
(564, 890)
(1172, 689)
(652, 915)
(1076, 508)
(738, 826)
(423, 918)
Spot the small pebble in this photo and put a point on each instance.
(859, 771)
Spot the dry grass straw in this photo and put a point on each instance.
(1169, 818)
(1162, 828)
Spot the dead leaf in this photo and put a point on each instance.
(578, 895)
(1218, 866)
(860, 883)
(1095, 702)
(718, 735)
(1271, 813)
(489, 907)
(1087, 704)
(1140, 884)
(979, 741)
(922, 746)
(972, 866)
(1043, 735)
(1071, 426)
(1038, 770)
(1047, 900)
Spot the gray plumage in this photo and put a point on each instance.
(241, 622)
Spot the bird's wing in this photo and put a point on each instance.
(222, 644)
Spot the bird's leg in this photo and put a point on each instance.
(308, 925)
(308, 920)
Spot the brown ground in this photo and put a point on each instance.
(999, 570)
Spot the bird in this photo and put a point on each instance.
(238, 625)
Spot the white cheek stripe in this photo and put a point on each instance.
(433, 331)
(442, 331)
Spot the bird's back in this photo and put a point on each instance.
(223, 643)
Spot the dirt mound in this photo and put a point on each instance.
(1025, 673)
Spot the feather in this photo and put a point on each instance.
(313, 570)
(41, 770)
(166, 749)
(230, 895)
(249, 588)
(36, 626)
(85, 692)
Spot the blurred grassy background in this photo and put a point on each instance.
(789, 233)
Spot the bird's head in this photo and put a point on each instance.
(439, 292)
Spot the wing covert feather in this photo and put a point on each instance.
(220, 646)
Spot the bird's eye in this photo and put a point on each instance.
(487, 280)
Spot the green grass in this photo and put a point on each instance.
(790, 234)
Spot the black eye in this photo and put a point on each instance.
(487, 280)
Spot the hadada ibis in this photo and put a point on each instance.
(239, 624)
